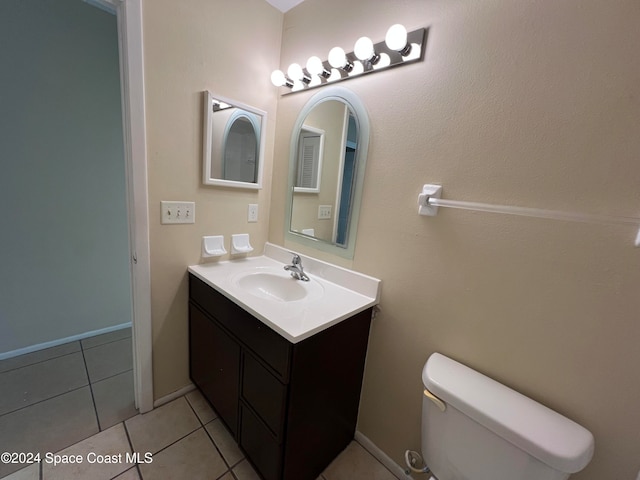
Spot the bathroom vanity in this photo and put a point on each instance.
(283, 374)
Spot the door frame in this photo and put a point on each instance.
(130, 46)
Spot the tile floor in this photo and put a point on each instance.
(54, 398)
(186, 440)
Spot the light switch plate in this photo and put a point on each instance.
(177, 212)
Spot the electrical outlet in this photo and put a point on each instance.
(252, 213)
(324, 212)
(178, 212)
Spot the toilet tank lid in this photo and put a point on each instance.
(541, 432)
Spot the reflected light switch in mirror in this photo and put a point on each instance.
(324, 212)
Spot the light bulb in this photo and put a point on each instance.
(335, 75)
(385, 61)
(364, 50)
(295, 71)
(338, 59)
(414, 53)
(316, 67)
(396, 39)
(278, 78)
(357, 69)
(315, 81)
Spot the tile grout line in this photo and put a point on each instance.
(179, 439)
(217, 449)
(81, 348)
(89, 384)
(110, 376)
(375, 458)
(93, 400)
(53, 396)
(126, 432)
(231, 472)
(210, 437)
(176, 441)
(102, 344)
(40, 361)
(45, 399)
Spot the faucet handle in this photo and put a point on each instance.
(296, 260)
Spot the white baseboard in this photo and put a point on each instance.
(382, 457)
(60, 341)
(172, 396)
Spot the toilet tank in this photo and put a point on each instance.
(488, 431)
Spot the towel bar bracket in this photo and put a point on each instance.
(429, 191)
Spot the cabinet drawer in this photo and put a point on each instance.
(265, 393)
(263, 450)
(267, 344)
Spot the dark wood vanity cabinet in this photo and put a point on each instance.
(292, 407)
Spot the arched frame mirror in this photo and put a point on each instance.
(328, 155)
(233, 150)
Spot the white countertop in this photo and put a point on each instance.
(338, 293)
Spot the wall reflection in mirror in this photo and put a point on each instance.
(233, 143)
(324, 173)
(328, 154)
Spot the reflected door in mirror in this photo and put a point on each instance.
(240, 150)
(318, 196)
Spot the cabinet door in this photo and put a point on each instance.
(214, 364)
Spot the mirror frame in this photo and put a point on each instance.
(362, 122)
(207, 138)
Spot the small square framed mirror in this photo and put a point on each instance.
(233, 143)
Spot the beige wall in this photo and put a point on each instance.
(516, 103)
(190, 47)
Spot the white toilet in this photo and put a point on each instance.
(474, 428)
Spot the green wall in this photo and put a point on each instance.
(64, 254)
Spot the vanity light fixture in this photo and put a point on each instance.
(399, 48)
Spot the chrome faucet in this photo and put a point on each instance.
(296, 269)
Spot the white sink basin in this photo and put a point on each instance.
(271, 284)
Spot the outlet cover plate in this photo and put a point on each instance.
(252, 213)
